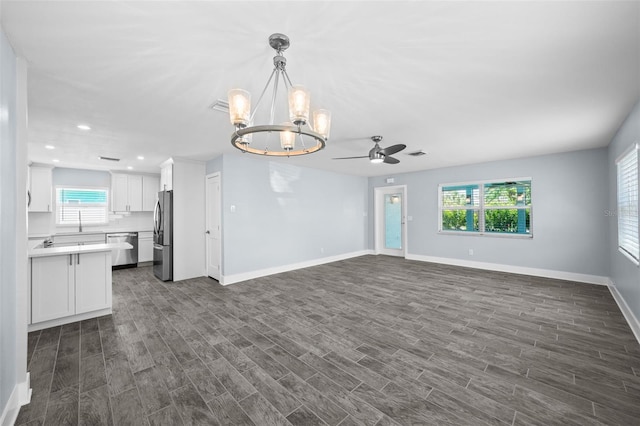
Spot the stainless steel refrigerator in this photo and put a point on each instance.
(163, 236)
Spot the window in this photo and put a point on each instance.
(627, 166)
(91, 203)
(502, 207)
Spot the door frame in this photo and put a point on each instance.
(378, 217)
(206, 219)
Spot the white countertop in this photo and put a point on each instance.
(87, 248)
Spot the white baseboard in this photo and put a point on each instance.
(626, 311)
(20, 396)
(536, 272)
(68, 320)
(236, 278)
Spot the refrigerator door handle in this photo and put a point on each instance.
(157, 218)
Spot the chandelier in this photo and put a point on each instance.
(296, 136)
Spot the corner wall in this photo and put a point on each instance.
(625, 275)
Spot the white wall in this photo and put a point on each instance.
(624, 274)
(188, 219)
(13, 308)
(285, 216)
(570, 229)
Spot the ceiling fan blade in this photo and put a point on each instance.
(391, 160)
(349, 158)
(390, 150)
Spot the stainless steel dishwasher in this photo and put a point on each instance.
(124, 258)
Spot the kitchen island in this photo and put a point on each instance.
(70, 283)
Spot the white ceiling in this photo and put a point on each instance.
(465, 81)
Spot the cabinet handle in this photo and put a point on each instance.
(48, 208)
(78, 258)
(70, 259)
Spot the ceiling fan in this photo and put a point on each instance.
(380, 155)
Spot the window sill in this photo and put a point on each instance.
(487, 234)
(628, 256)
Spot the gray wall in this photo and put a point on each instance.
(624, 274)
(286, 214)
(569, 193)
(8, 220)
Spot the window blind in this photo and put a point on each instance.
(73, 202)
(628, 204)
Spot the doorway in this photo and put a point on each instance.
(390, 220)
(213, 232)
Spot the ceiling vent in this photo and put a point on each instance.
(109, 158)
(416, 153)
(220, 105)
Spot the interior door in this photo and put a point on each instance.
(213, 233)
(390, 221)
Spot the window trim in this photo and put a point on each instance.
(84, 187)
(481, 209)
(634, 148)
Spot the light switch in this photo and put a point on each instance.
(232, 208)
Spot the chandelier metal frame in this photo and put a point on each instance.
(298, 128)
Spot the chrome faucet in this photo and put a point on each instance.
(79, 221)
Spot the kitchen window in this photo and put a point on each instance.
(486, 208)
(627, 171)
(88, 204)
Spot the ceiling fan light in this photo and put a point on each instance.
(287, 139)
(377, 160)
(299, 98)
(239, 107)
(322, 122)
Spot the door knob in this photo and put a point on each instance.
(207, 232)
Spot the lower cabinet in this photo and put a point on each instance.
(145, 246)
(70, 284)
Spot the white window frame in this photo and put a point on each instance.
(481, 209)
(91, 188)
(628, 231)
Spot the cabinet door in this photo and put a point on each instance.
(40, 189)
(93, 281)
(52, 287)
(135, 193)
(145, 249)
(150, 188)
(119, 193)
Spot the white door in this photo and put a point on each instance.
(213, 233)
(390, 221)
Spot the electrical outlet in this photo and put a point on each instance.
(321, 249)
(470, 252)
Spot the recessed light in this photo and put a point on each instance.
(140, 157)
(83, 127)
(55, 160)
(129, 167)
(50, 147)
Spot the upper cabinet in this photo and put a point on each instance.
(166, 175)
(40, 189)
(150, 188)
(133, 193)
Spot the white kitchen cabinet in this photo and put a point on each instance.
(166, 176)
(40, 189)
(126, 193)
(150, 188)
(93, 286)
(69, 284)
(52, 287)
(145, 246)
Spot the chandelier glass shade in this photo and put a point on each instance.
(299, 135)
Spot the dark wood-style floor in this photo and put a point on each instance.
(368, 341)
